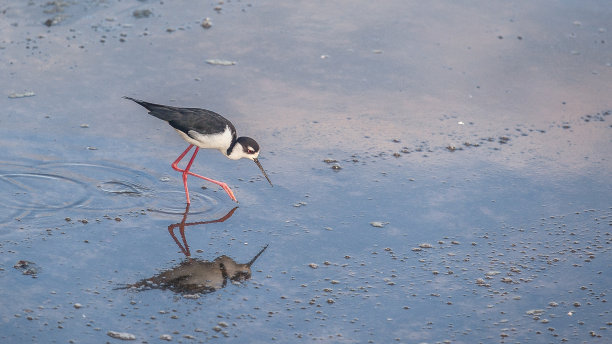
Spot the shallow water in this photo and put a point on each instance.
(441, 172)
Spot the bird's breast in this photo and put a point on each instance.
(220, 141)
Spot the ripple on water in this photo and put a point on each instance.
(173, 203)
(109, 186)
(119, 187)
(41, 191)
(8, 215)
(54, 186)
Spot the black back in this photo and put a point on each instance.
(186, 119)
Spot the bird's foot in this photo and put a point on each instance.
(229, 191)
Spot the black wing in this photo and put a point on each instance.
(186, 119)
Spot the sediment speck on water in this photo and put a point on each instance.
(220, 62)
(206, 23)
(121, 335)
(21, 95)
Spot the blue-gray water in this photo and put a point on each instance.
(471, 203)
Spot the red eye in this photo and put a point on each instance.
(250, 151)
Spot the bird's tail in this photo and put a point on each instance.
(163, 112)
(138, 101)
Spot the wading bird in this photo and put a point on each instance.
(205, 129)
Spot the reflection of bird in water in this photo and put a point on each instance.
(199, 276)
(205, 129)
(181, 225)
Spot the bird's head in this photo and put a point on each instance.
(246, 147)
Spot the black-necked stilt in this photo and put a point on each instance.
(205, 129)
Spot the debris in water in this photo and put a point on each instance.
(218, 62)
(503, 139)
(21, 95)
(142, 13)
(27, 268)
(535, 312)
(121, 335)
(55, 20)
(206, 23)
(378, 224)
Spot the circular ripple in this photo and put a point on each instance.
(52, 186)
(111, 187)
(40, 191)
(123, 188)
(174, 203)
(9, 215)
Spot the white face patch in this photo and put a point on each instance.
(239, 153)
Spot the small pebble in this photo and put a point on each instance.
(142, 13)
(218, 62)
(121, 335)
(206, 23)
(21, 95)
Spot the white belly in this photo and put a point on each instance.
(216, 141)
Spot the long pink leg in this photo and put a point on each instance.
(186, 172)
(175, 167)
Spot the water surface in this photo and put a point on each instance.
(441, 172)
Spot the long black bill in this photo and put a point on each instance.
(262, 171)
(257, 256)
